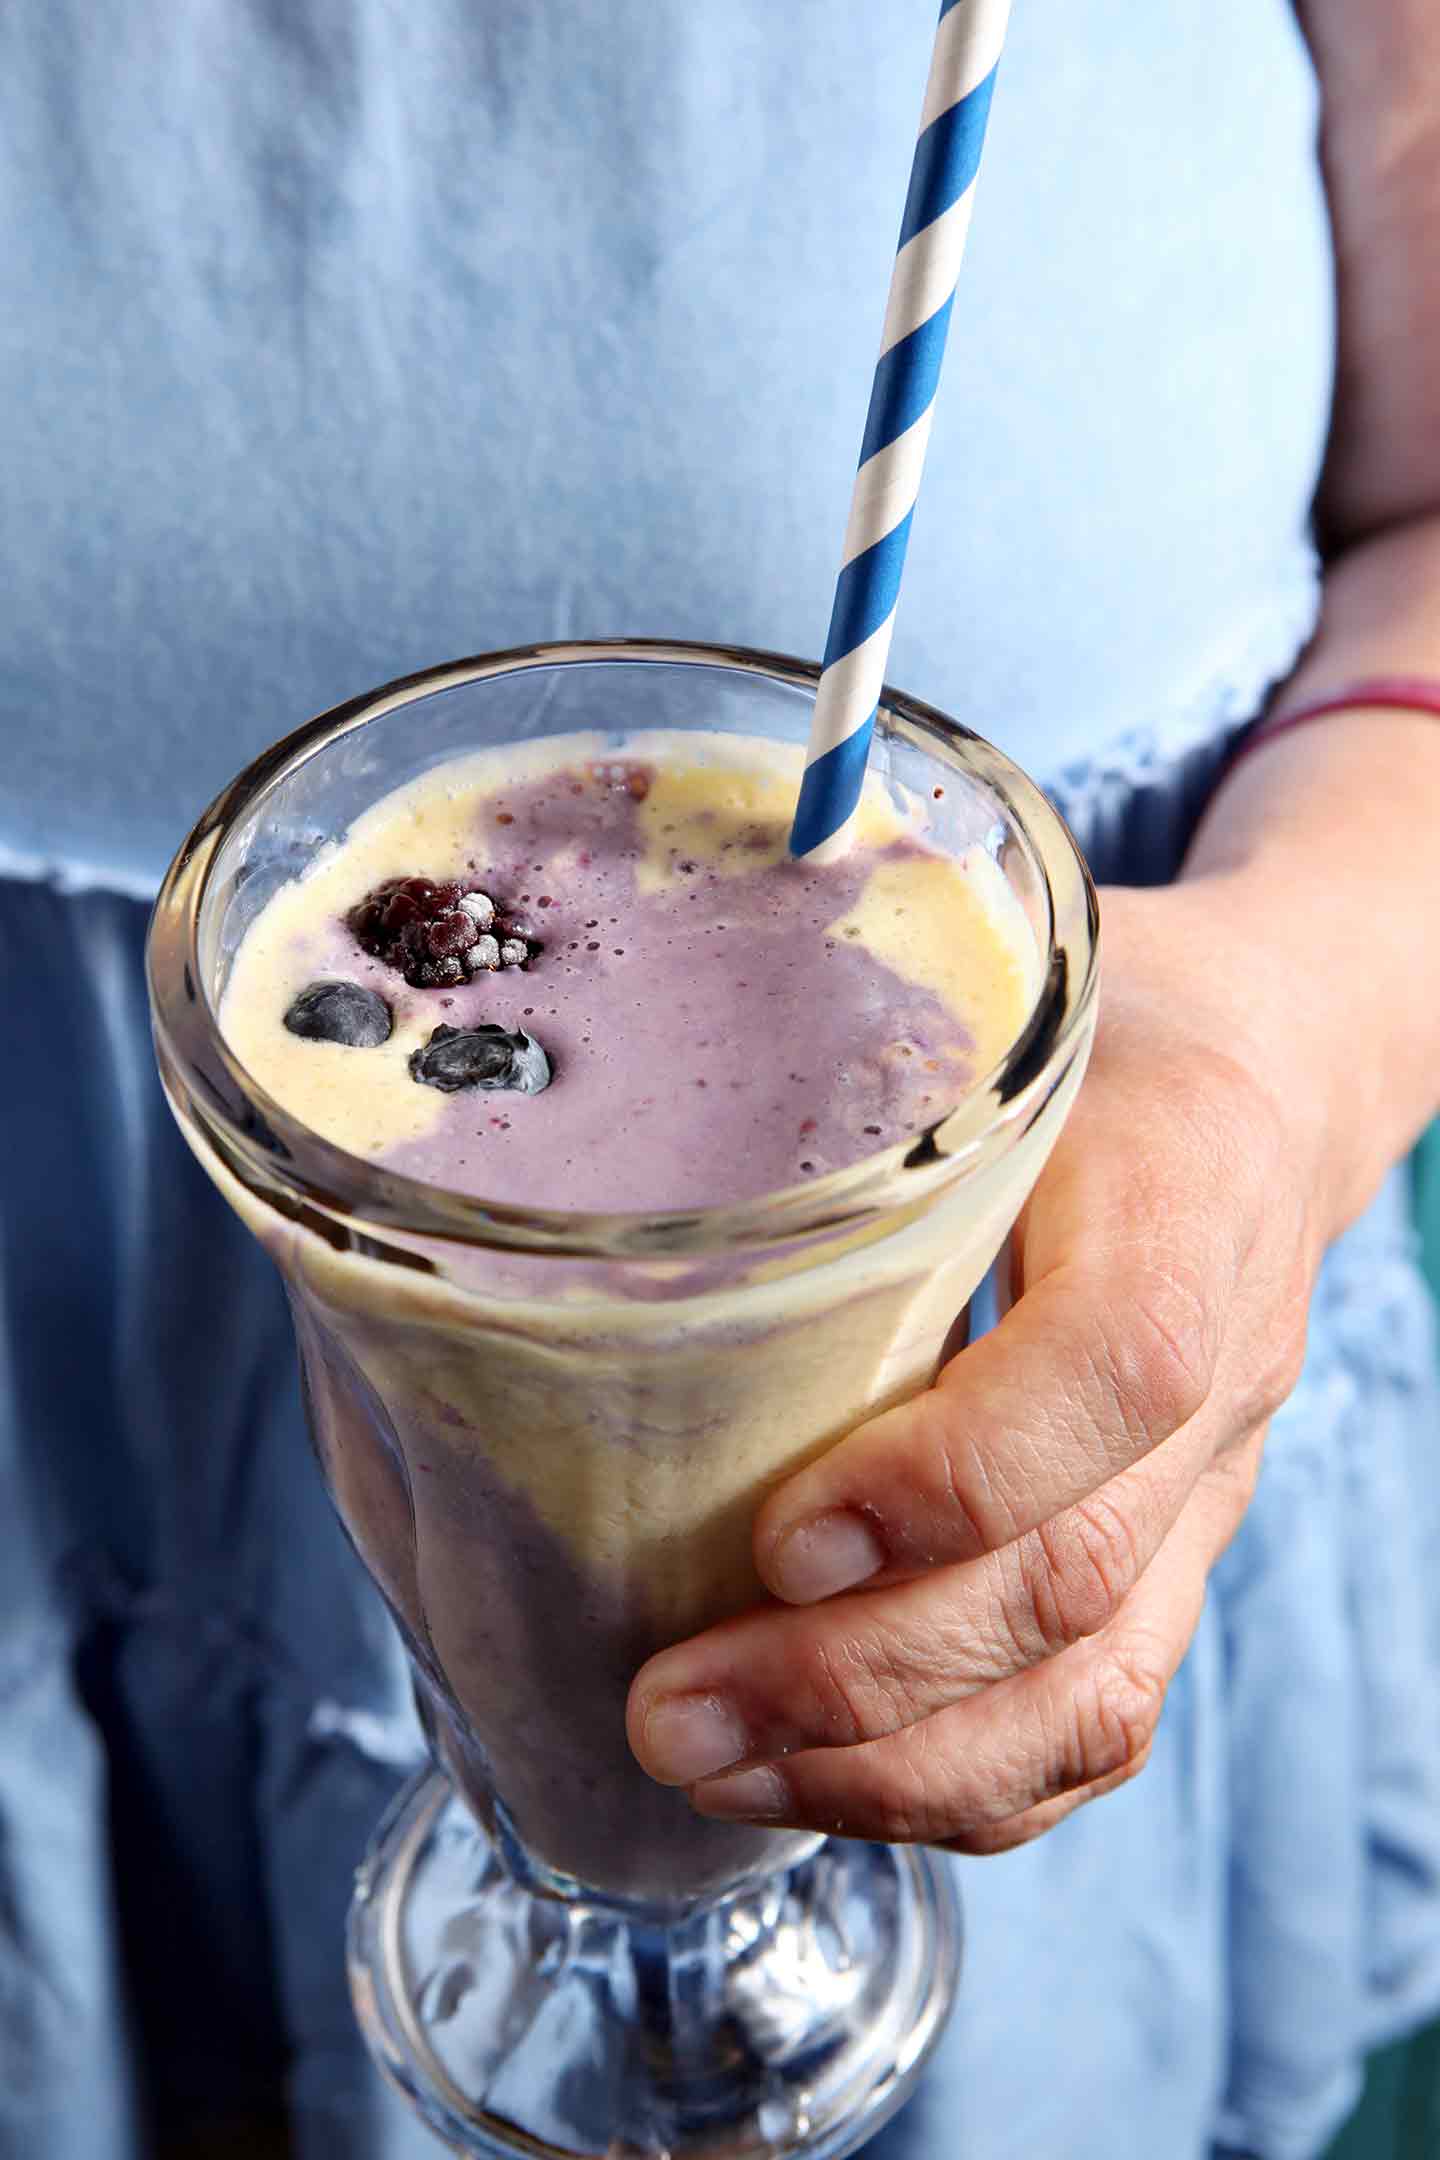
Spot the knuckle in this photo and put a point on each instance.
(1117, 1716)
(955, 1488)
(1161, 1348)
(1078, 1569)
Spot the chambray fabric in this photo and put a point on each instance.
(341, 336)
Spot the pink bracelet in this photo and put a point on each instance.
(1392, 693)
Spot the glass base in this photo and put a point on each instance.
(789, 2020)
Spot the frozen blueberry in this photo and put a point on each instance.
(481, 1057)
(340, 1012)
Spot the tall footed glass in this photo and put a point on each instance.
(547, 1434)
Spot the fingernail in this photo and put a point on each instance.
(828, 1553)
(692, 1736)
(760, 1795)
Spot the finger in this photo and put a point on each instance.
(1085, 1718)
(1234, 1477)
(1093, 1368)
(778, 1680)
(1033, 1822)
(1130, 1256)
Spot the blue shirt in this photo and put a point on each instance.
(343, 338)
(339, 337)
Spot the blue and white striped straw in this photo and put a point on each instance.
(897, 430)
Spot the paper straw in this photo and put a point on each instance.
(927, 263)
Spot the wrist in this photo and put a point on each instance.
(1188, 983)
(1321, 855)
(1414, 694)
(1296, 1012)
(1306, 1031)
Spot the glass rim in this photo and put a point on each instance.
(287, 1164)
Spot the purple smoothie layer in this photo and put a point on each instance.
(710, 1041)
(524, 1657)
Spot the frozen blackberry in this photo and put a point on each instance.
(436, 933)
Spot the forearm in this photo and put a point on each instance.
(1325, 844)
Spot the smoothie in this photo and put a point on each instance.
(564, 978)
(718, 1021)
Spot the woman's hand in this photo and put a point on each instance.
(1042, 1522)
(988, 1590)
